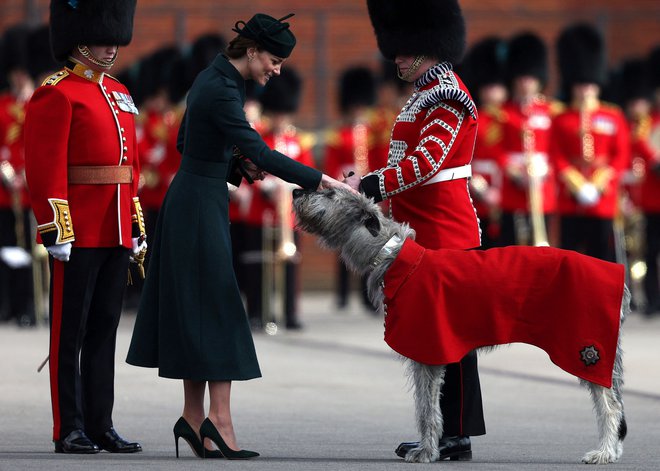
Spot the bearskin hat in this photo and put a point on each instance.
(654, 68)
(484, 63)
(527, 55)
(581, 54)
(155, 71)
(357, 87)
(38, 48)
(634, 81)
(13, 53)
(282, 93)
(89, 22)
(202, 52)
(434, 28)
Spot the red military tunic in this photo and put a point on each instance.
(266, 193)
(347, 150)
(646, 145)
(441, 304)
(536, 119)
(379, 129)
(591, 147)
(486, 175)
(12, 116)
(435, 131)
(81, 118)
(159, 160)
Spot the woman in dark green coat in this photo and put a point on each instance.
(191, 323)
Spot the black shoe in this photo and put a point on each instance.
(182, 429)
(293, 325)
(76, 442)
(208, 430)
(452, 448)
(112, 442)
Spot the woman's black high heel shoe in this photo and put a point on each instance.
(209, 431)
(183, 430)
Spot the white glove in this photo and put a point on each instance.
(137, 245)
(61, 252)
(588, 195)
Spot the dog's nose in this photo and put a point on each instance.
(298, 192)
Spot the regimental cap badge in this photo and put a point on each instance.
(590, 355)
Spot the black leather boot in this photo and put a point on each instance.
(458, 448)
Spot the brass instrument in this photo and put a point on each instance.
(278, 247)
(536, 168)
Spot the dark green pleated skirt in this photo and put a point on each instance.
(191, 323)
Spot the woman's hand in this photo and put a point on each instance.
(329, 182)
(255, 172)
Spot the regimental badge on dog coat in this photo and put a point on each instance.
(441, 304)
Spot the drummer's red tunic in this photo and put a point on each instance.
(440, 304)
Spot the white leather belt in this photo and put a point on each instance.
(449, 174)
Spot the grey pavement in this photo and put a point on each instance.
(333, 396)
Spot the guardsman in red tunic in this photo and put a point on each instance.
(15, 233)
(157, 117)
(82, 171)
(645, 139)
(484, 67)
(347, 150)
(426, 178)
(529, 196)
(391, 94)
(590, 147)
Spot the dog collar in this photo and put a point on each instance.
(386, 250)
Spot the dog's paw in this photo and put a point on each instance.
(600, 457)
(421, 455)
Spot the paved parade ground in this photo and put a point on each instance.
(333, 397)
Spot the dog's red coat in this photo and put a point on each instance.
(443, 303)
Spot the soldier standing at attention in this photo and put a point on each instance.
(483, 72)
(426, 177)
(15, 271)
(347, 151)
(528, 188)
(590, 146)
(82, 171)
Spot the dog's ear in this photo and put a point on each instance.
(372, 224)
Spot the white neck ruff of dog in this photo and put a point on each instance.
(386, 250)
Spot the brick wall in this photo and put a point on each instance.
(334, 34)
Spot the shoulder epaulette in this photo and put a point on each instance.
(307, 140)
(447, 88)
(557, 107)
(332, 138)
(610, 106)
(56, 78)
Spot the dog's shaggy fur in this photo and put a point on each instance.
(354, 225)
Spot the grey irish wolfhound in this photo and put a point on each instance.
(369, 243)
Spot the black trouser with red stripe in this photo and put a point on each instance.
(461, 405)
(85, 305)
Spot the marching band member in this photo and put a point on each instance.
(589, 146)
(347, 149)
(270, 223)
(15, 233)
(484, 67)
(528, 187)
